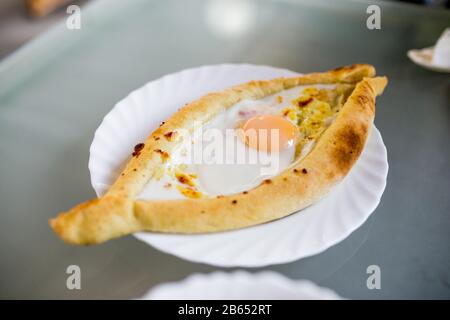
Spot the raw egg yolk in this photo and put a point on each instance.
(268, 133)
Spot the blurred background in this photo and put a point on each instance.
(21, 20)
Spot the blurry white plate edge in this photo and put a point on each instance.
(424, 58)
(240, 285)
(315, 229)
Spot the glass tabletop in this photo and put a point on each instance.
(55, 91)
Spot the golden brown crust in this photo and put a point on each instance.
(117, 213)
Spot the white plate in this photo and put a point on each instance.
(240, 285)
(424, 58)
(299, 235)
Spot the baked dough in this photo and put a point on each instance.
(119, 213)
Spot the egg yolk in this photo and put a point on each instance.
(268, 133)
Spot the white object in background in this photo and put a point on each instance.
(435, 58)
(230, 18)
(240, 285)
(299, 235)
(441, 55)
